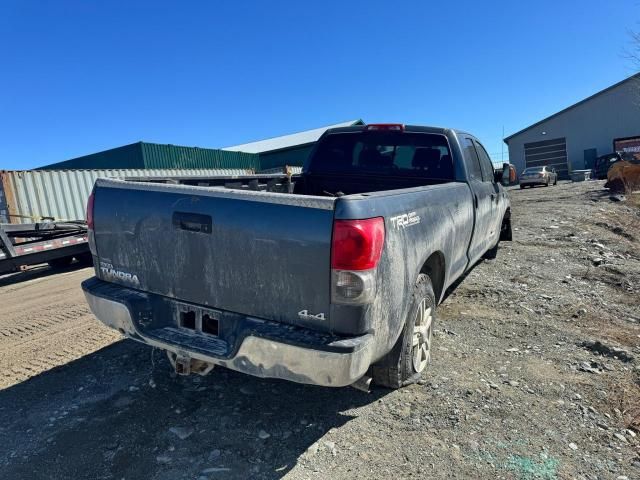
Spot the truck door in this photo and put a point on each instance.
(482, 201)
(488, 178)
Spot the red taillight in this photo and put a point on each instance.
(393, 127)
(357, 244)
(90, 212)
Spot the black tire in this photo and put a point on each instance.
(506, 235)
(555, 182)
(492, 253)
(506, 232)
(398, 368)
(61, 262)
(521, 187)
(85, 259)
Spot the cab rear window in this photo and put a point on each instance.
(384, 153)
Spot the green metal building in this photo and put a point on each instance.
(290, 150)
(158, 156)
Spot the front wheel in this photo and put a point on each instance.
(411, 354)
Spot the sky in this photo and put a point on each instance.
(77, 77)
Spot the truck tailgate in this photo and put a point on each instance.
(254, 253)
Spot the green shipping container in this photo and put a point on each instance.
(160, 156)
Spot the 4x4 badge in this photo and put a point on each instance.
(305, 315)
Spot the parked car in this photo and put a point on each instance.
(333, 284)
(533, 176)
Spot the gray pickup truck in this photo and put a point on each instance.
(330, 278)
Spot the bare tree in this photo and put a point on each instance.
(634, 51)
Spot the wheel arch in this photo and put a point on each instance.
(434, 268)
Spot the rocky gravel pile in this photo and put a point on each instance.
(535, 375)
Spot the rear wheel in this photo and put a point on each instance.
(411, 354)
(555, 182)
(521, 187)
(60, 262)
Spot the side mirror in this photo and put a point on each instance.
(505, 180)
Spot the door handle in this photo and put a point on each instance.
(191, 222)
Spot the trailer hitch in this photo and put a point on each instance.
(184, 365)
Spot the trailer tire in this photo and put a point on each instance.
(61, 262)
(411, 354)
(85, 259)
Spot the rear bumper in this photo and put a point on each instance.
(533, 181)
(335, 363)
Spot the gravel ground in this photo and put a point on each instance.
(536, 374)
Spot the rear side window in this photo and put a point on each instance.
(471, 159)
(384, 153)
(485, 163)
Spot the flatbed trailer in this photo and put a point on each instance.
(55, 243)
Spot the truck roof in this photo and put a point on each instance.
(407, 128)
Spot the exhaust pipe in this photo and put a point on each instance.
(363, 384)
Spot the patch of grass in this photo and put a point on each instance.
(627, 400)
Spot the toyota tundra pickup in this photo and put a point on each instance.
(331, 277)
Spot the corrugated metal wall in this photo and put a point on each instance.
(173, 156)
(155, 155)
(27, 196)
(127, 156)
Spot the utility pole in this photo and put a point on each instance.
(502, 144)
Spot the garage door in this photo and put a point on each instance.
(552, 153)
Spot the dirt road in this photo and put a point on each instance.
(517, 389)
(45, 322)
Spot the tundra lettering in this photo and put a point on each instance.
(113, 274)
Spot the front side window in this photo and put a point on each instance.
(485, 163)
(471, 159)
